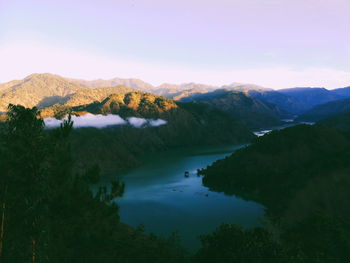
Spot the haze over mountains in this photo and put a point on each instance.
(255, 106)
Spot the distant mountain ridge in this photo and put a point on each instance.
(251, 111)
(344, 92)
(101, 83)
(35, 88)
(45, 90)
(326, 110)
(120, 146)
(311, 97)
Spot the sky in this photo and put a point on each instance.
(272, 43)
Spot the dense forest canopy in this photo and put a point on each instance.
(49, 214)
(301, 174)
(119, 147)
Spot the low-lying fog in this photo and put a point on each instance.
(101, 121)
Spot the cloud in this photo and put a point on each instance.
(158, 122)
(101, 121)
(137, 122)
(141, 122)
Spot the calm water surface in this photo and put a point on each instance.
(160, 197)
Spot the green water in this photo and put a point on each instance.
(160, 197)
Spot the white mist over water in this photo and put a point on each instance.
(101, 121)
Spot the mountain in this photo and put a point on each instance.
(249, 110)
(244, 87)
(131, 104)
(36, 90)
(295, 100)
(325, 110)
(179, 95)
(187, 86)
(301, 176)
(344, 92)
(178, 92)
(285, 102)
(310, 97)
(87, 96)
(119, 147)
(101, 83)
(285, 163)
(340, 122)
(45, 90)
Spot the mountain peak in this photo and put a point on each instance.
(42, 76)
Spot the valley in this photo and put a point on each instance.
(179, 162)
(180, 131)
(159, 196)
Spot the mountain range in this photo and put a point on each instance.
(251, 111)
(121, 146)
(322, 111)
(44, 90)
(254, 105)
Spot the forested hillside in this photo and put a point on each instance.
(326, 110)
(249, 110)
(301, 174)
(188, 124)
(122, 146)
(45, 90)
(49, 214)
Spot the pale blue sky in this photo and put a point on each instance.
(275, 43)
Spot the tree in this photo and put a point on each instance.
(48, 212)
(231, 243)
(23, 186)
(40, 192)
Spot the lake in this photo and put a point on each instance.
(160, 197)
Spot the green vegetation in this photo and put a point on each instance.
(301, 175)
(277, 165)
(118, 147)
(230, 243)
(340, 122)
(131, 104)
(45, 90)
(251, 111)
(323, 111)
(188, 124)
(308, 97)
(48, 213)
(316, 239)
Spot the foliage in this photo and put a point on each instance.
(49, 214)
(323, 111)
(231, 243)
(301, 174)
(120, 147)
(251, 111)
(279, 164)
(340, 122)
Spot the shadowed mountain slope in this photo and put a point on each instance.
(326, 110)
(251, 111)
(120, 146)
(311, 97)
